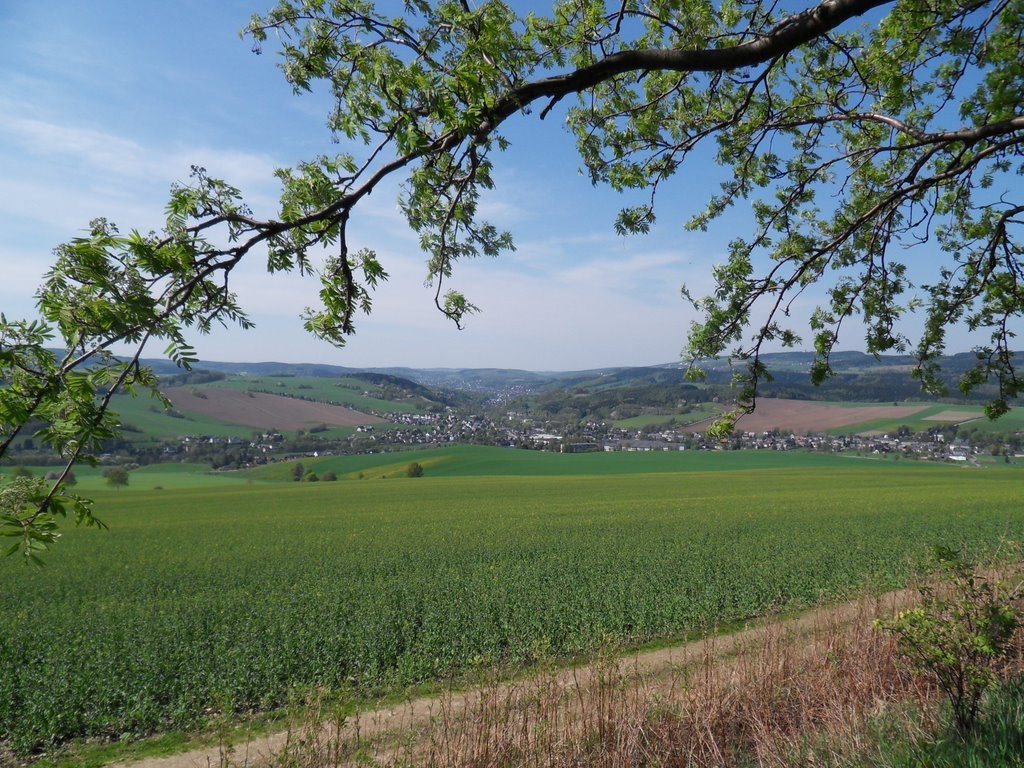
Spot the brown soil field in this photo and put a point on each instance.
(256, 409)
(801, 416)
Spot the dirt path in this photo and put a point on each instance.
(417, 715)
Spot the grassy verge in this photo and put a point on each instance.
(829, 694)
(925, 737)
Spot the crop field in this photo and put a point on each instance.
(145, 421)
(937, 414)
(262, 411)
(841, 418)
(698, 413)
(155, 477)
(801, 416)
(158, 477)
(340, 391)
(233, 595)
(482, 461)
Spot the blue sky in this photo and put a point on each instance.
(104, 104)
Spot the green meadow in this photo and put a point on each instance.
(232, 590)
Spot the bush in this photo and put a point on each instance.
(959, 634)
(414, 470)
(117, 477)
(328, 477)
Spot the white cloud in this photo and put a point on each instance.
(90, 147)
(117, 156)
(63, 209)
(576, 320)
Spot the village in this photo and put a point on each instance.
(419, 430)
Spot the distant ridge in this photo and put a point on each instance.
(857, 375)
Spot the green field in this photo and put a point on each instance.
(483, 461)
(233, 594)
(148, 478)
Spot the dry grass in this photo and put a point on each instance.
(807, 691)
(790, 693)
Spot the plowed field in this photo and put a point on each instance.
(256, 409)
(801, 416)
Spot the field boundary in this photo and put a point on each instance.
(420, 714)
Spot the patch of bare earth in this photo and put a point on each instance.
(257, 409)
(800, 416)
(775, 692)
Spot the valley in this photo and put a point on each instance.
(272, 537)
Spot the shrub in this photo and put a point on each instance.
(328, 477)
(415, 469)
(116, 477)
(959, 634)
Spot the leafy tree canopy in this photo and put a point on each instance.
(858, 130)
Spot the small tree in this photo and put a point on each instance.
(415, 469)
(298, 472)
(959, 634)
(328, 477)
(311, 477)
(117, 477)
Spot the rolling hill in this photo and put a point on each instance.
(266, 411)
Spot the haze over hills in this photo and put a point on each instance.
(858, 376)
